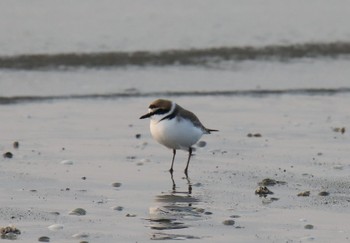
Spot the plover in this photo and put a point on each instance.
(175, 127)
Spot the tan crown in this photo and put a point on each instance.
(160, 103)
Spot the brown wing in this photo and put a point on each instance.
(191, 116)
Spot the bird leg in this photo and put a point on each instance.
(173, 181)
(172, 162)
(188, 160)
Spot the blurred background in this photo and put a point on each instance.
(135, 48)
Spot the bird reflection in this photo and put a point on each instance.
(175, 209)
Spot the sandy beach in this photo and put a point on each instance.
(71, 153)
(78, 165)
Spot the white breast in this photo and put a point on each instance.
(176, 133)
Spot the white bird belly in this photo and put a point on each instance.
(175, 133)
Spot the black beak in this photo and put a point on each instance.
(146, 115)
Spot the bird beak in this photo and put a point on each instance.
(146, 115)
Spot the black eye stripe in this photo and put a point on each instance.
(160, 111)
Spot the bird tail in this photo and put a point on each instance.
(211, 130)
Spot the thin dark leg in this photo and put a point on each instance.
(173, 181)
(188, 160)
(189, 185)
(172, 162)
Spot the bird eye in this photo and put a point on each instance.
(160, 111)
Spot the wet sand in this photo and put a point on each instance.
(71, 152)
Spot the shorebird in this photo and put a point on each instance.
(175, 127)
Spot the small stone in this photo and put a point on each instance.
(9, 232)
(267, 182)
(138, 136)
(263, 191)
(339, 129)
(304, 194)
(118, 208)
(308, 226)
(270, 182)
(8, 155)
(16, 144)
(324, 193)
(200, 210)
(342, 130)
(55, 227)
(67, 162)
(257, 135)
(78, 212)
(116, 184)
(228, 222)
(83, 178)
(338, 167)
(80, 235)
(201, 144)
(130, 215)
(235, 216)
(44, 239)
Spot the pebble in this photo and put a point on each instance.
(116, 184)
(304, 194)
(118, 208)
(263, 191)
(55, 227)
(138, 136)
(9, 232)
(338, 167)
(130, 215)
(257, 135)
(270, 182)
(78, 212)
(201, 144)
(80, 235)
(324, 193)
(307, 238)
(308, 226)
(67, 162)
(8, 155)
(228, 222)
(339, 129)
(16, 144)
(200, 210)
(44, 239)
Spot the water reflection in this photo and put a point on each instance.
(174, 210)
